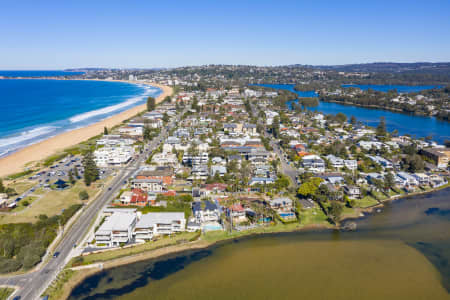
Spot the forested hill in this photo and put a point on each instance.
(391, 67)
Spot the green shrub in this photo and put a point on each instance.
(50, 160)
(18, 175)
(83, 195)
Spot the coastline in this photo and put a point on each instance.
(84, 271)
(15, 162)
(390, 109)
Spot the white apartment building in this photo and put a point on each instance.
(108, 156)
(116, 230)
(148, 185)
(154, 224)
(114, 140)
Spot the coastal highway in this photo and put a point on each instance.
(31, 285)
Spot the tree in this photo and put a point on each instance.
(389, 181)
(147, 134)
(275, 127)
(71, 179)
(341, 118)
(2, 187)
(381, 129)
(334, 211)
(353, 120)
(309, 187)
(168, 99)
(413, 163)
(166, 118)
(105, 130)
(90, 168)
(83, 195)
(151, 104)
(75, 173)
(194, 104)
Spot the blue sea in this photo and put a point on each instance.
(416, 126)
(36, 109)
(40, 73)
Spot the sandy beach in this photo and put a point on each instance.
(16, 161)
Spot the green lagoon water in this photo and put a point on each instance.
(402, 252)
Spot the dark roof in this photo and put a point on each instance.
(159, 171)
(197, 206)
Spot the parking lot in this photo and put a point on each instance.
(60, 170)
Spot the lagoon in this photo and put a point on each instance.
(403, 252)
(416, 126)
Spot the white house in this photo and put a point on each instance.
(313, 163)
(406, 179)
(351, 164)
(336, 162)
(205, 211)
(422, 178)
(131, 131)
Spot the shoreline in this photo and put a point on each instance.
(84, 271)
(389, 109)
(16, 161)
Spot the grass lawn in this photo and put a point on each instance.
(55, 290)
(113, 254)
(380, 196)
(213, 236)
(5, 293)
(365, 202)
(39, 191)
(313, 215)
(52, 203)
(21, 203)
(22, 186)
(392, 193)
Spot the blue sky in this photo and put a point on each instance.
(64, 34)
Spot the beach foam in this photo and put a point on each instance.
(31, 136)
(27, 135)
(112, 108)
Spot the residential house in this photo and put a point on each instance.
(237, 213)
(164, 173)
(148, 185)
(313, 163)
(352, 191)
(205, 211)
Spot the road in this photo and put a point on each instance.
(32, 285)
(286, 166)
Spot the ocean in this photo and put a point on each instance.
(37, 73)
(36, 109)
